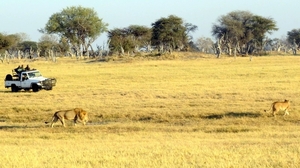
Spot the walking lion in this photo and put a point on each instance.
(280, 106)
(76, 114)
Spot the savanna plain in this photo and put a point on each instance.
(189, 111)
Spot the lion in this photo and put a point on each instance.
(280, 106)
(76, 114)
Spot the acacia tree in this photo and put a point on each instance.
(141, 35)
(48, 43)
(119, 41)
(5, 42)
(232, 30)
(241, 31)
(129, 39)
(28, 44)
(81, 26)
(259, 27)
(294, 35)
(293, 38)
(171, 32)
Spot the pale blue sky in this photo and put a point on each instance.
(28, 16)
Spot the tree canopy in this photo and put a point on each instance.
(81, 26)
(171, 32)
(10, 42)
(129, 38)
(293, 36)
(241, 31)
(5, 42)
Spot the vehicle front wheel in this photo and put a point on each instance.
(35, 88)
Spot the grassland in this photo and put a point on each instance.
(192, 111)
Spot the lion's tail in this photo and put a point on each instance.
(47, 122)
(269, 109)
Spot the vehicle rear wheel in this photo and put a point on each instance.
(14, 88)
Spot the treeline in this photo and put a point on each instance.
(72, 31)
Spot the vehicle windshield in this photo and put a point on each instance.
(34, 74)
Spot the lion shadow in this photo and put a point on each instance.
(233, 115)
(6, 127)
(10, 127)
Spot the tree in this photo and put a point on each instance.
(205, 44)
(279, 44)
(129, 39)
(120, 41)
(141, 35)
(260, 26)
(28, 44)
(47, 43)
(233, 30)
(5, 42)
(242, 31)
(81, 26)
(10, 43)
(171, 32)
(294, 36)
(23, 37)
(190, 28)
(15, 40)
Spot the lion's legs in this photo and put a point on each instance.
(274, 113)
(54, 120)
(62, 122)
(286, 112)
(61, 119)
(75, 121)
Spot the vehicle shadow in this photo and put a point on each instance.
(10, 92)
(233, 115)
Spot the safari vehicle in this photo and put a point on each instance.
(31, 79)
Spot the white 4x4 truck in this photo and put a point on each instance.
(27, 80)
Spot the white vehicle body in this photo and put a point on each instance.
(27, 80)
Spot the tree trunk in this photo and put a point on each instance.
(122, 50)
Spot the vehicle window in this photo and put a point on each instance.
(34, 74)
(31, 75)
(37, 74)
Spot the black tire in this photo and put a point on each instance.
(14, 88)
(35, 88)
(8, 77)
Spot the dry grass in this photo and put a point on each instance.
(191, 111)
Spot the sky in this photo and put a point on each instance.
(27, 16)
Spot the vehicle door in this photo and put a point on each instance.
(25, 82)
